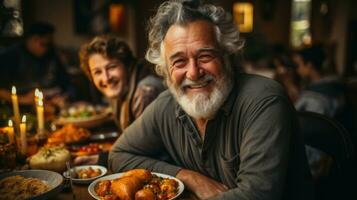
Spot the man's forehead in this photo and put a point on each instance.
(198, 33)
(197, 28)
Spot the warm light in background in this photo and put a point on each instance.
(116, 17)
(300, 33)
(243, 16)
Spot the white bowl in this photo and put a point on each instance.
(91, 187)
(85, 180)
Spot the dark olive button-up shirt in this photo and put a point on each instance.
(251, 145)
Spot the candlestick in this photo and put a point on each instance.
(10, 132)
(15, 106)
(23, 136)
(40, 116)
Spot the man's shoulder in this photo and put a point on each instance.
(164, 104)
(254, 86)
(165, 97)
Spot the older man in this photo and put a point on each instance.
(229, 135)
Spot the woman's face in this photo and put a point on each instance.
(109, 75)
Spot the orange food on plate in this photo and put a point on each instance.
(142, 174)
(88, 173)
(126, 187)
(145, 194)
(68, 134)
(92, 148)
(137, 184)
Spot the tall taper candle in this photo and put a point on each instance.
(15, 106)
(40, 116)
(10, 132)
(23, 136)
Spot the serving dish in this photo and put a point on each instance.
(53, 179)
(84, 115)
(93, 185)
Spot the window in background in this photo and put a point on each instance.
(243, 16)
(300, 23)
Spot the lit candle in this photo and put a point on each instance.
(37, 93)
(23, 136)
(40, 116)
(10, 132)
(15, 106)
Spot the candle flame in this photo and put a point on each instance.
(24, 119)
(40, 102)
(37, 91)
(40, 95)
(10, 123)
(13, 90)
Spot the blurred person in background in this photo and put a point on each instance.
(319, 93)
(285, 71)
(128, 84)
(323, 94)
(34, 63)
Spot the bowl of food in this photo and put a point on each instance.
(50, 158)
(85, 174)
(84, 115)
(30, 184)
(136, 184)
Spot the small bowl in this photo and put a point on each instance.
(84, 180)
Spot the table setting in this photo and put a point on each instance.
(38, 150)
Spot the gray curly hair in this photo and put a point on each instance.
(183, 12)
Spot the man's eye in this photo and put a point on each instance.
(205, 58)
(178, 63)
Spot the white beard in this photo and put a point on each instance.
(203, 105)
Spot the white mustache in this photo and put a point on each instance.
(188, 82)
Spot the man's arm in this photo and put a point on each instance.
(202, 186)
(264, 151)
(141, 146)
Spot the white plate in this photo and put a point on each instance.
(85, 180)
(92, 192)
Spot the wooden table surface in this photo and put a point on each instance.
(82, 193)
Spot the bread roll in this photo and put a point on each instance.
(126, 187)
(145, 194)
(143, 174)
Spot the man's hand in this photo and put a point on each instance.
(201, 185)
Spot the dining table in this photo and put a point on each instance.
(104, 133)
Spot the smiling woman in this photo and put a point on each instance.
(109, 75)
(128, 84)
